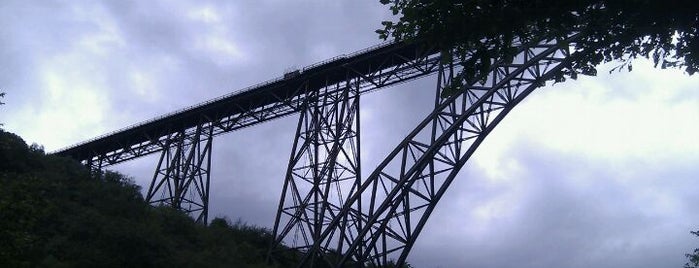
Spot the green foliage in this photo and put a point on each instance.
(2, 95)
(54, 213)
(611, 30)
(694, 256)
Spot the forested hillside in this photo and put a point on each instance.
(54, 213)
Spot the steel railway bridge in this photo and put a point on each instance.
(326, 210)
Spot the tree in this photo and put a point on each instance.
(2, 95)
(477, 31)
(693, 257)
(55, 213)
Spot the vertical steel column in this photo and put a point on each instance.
(94, 165)
(323, 169)
(181, 179)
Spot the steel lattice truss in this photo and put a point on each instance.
(324, 167)
(326, 211)
(372, 69)
(181, 179)
(401, 193)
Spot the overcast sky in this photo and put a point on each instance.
(598, 172)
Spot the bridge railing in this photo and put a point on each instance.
(182, 110)
(222, 97)
(344, 56)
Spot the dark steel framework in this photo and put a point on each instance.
(324, 166)
(402, 192)
(373, 68)
(184, 138)
(326, 210)
(182, 177)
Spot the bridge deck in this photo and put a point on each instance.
(262, 102)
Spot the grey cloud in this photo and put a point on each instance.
(28, 39)
(570, 211)
(274, 40)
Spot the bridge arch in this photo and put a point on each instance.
(403, 191)
(490, 109)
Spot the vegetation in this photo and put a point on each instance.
(610, 30)
(54, 213)
(2, 95)
(693, 257)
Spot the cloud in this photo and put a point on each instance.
(594, 172)
(561, 210)
(599, 118)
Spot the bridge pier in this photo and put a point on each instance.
(181, 179)
(94, 165)
(324, 168)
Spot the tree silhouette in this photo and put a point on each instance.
(54, 212)
(610, 30)
(2, 95)
(693, 257)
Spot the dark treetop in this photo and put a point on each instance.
(611, 30)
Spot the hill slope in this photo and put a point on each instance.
(53, 213)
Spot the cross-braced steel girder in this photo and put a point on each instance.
(324, 169)
(373, 68)
(181, 179)
(401, 193)
(94, 165)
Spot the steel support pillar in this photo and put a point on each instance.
(94, 165)
(323, 170)
(181, 179)
(404, 189)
